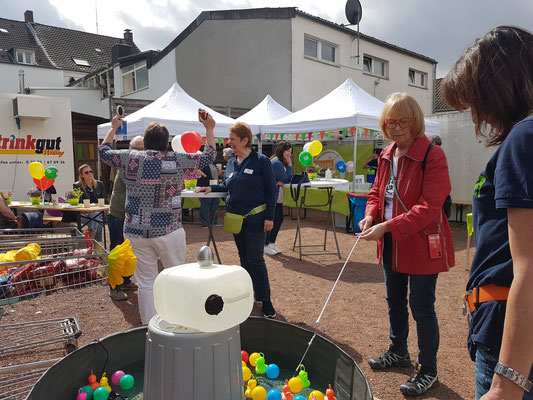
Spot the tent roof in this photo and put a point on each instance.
(268, 111)
(347, 105)
(177, 111)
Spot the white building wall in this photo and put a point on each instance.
(237, 62)
(83, 100)
(467, 155)
(33, 76)
(161, 77)
(313, 79)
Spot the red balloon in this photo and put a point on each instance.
(44, 183)
(191, 141)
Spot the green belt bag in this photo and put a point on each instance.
(233, 222)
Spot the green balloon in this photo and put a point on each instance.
(89, 391)
(51, 172)
(306, 159)
(127, 382)
(100, 394)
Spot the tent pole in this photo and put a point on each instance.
(354, 159)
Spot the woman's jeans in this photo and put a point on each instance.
(250, 243)
(422, 304)
(271, 236)
(485, 363)
(116, 231)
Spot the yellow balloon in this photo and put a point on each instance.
(315, 148)
(246, 374)
(296, 385)
(253, 359)
(36, 170)
(316, 394)
(259, 393)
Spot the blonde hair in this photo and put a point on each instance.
(406, 106)
(242, 130)
(81, 178)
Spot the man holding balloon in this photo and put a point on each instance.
(154, 178)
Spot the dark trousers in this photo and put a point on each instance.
(250, 242)
(422, 304)
(208, 207)
(271, 236)
(116, 236)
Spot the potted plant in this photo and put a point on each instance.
(35, 196)
(191, 178)
(312, 170)
(73, 196)
(6, 195)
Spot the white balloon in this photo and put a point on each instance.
(306, 146)
(176, 144)
(349, 166)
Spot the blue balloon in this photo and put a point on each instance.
(272, 371)
(299, 397)
(341, 166)
(274, 394)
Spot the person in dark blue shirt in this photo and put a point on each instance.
(250, 185)
(494, 79)
(282, 166)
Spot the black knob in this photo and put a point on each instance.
(214, 304)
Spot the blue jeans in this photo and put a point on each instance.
(116, 230)
(95, 224)
(208, 206)
(422, 304)
(271, 236)
(250, 244)
(485, 363)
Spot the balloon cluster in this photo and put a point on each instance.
(310, 150)
(188, 142)
(344, 167)
(101, 390)
(43, 178)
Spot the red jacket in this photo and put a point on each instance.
(423, 194)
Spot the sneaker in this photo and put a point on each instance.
(129, 286)
(389, 360)
(419, 382)
(117, 294)
(269, 251)
(268, 309)
(275, 248)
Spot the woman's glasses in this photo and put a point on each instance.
(393, 123)
(87, 172)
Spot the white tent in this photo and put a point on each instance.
(346, 106)
(266, 112)
(177, 111)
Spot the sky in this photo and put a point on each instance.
(437, 29)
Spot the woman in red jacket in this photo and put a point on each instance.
(404, 214)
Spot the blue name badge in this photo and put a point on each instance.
(123, 130)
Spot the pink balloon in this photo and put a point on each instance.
(115, 378)
(349, 166)
(191, 141)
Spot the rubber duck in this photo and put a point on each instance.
(250, 387)
(304, 377)
(330, 394)
(286, 392)
(105, 383)
(93, 383)
(261, 367)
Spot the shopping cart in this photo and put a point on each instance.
(42, 233)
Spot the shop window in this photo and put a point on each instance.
(134, 77)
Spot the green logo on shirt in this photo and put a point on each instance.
(477, 188)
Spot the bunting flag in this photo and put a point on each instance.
(329, 134)
(219, 140)
(271, 137)
(225, 142)
(281, 136)
(322, 133)
(344, 132)
(336, 132)
(204, 140)
(310, 135)
(361, 131)
(276, 136)
(296, 136)
(366, 133)
(352, 131)
(258, 136)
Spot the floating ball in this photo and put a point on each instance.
(244, 356)
(295, 384)
(89, 391)
(315, 148)
(253, 359)
(176, 144)
(101, 394)
(306, 146)
(306, 159)
(272, 371)
(299, 397)
(115, 377)
(317, 394)
(127, 382)
(259, 393)
(191, 141)
(246, 374)
(341, 166)
(274, 394)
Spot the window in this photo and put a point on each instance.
(417, 78)
(315, 48)
(25, 57)
(374, 66)
(81, 62)
(134, 77)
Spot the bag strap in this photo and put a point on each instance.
(426, 158)
(295, 192)
(256, 210)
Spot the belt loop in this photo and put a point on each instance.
(476, 304)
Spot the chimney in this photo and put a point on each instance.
(28, 16)
(128, 35)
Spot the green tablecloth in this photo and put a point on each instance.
(320, 196)
(194, 202)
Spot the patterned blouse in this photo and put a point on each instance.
(154, 180)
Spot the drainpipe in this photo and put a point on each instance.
(21, 81)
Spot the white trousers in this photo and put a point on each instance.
(171, 249)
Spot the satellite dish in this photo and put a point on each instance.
(353, 11)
